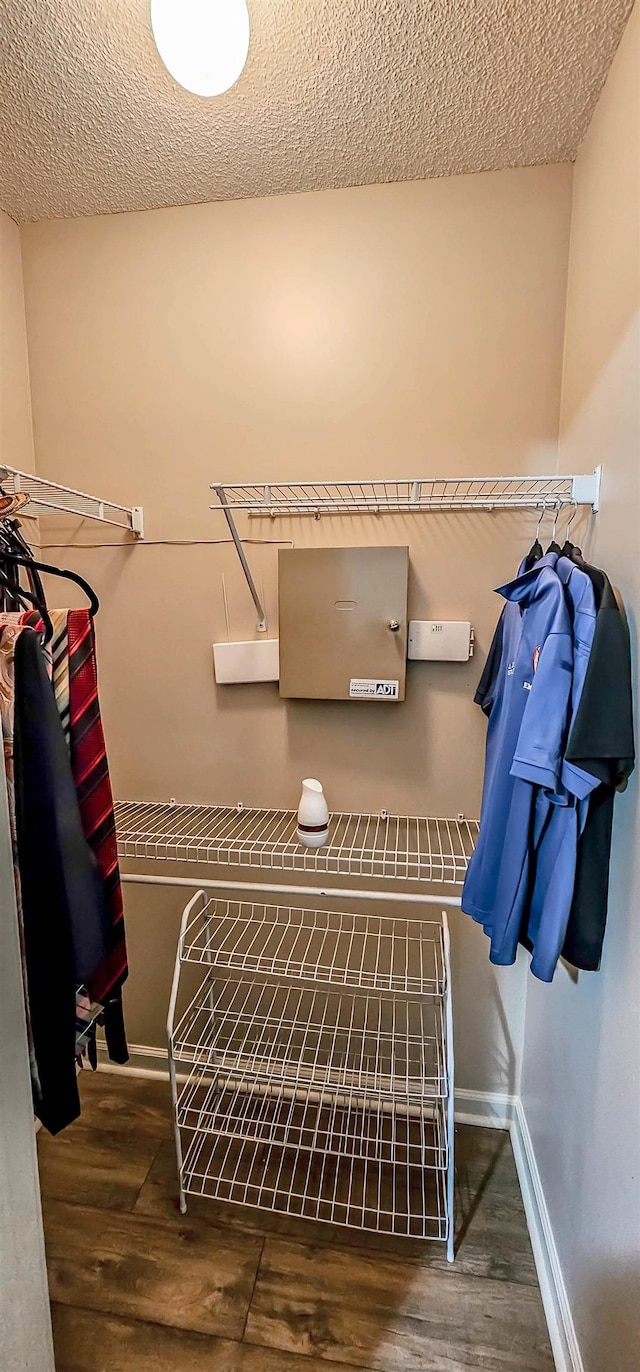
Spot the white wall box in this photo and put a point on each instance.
(437, 640)
(254, 660)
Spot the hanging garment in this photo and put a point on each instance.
(582, 607)
(557, 826)
(91, 773)
(529, 704)
(8, 636)
(66, 919)
(56, 659)
(102, 1000)
(601, 744)
(60, 669)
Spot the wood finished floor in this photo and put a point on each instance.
(137, 1287)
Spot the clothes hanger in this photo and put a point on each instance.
(568, 547)
(10, 504)
(553, 546)
(11, 540)
(27, 599)
(9, 588)
(22, 561)
(535, 551)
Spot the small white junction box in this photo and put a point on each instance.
(439, 640)
(255, 660)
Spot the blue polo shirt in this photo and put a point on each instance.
(557, 826)
(583, 610)
(525, 738)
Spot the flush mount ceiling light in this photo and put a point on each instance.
(203, 43)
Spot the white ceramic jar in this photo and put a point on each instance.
(313, 815)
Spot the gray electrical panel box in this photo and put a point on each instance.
(343, 623)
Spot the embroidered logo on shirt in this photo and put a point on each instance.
(511, 668)
(526, 686)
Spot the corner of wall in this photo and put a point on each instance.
(16, 417)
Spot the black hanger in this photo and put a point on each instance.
(22, 561)
(553, 546)
(535, 551)
(568, 549)
(11, 540)
(27, 598)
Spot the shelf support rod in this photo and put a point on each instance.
(262, 618)
(280, 889)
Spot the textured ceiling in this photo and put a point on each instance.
(335, 93)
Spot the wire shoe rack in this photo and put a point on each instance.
(363, 952)
(311, 1065)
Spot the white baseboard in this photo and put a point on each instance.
(488, 1109)
(562, 1333)
(143, 1062)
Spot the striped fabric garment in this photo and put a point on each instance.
(60, 668)
(88, 1013)
(93, 786)
(71, 661)
(56, 656)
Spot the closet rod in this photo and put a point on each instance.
(272, 888)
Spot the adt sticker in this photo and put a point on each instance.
(367, 688)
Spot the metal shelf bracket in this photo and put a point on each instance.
(585, 490)
(262, 618)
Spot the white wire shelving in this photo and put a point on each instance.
(49, 497)
(399, 496)
(410, 495)
(298, 1037)
(388, 847)
(312, 1065)
(384, 1198)
(356, 951)
(338, 1124)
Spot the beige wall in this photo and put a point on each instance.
(383, 331)
(16, 436)
(582, 1039)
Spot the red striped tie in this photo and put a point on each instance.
(91, 775)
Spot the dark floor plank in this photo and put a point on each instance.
(360, 1308)
(113, 1100)
(104, 1167)
(180, 1273)
(86, 1341)
(492, 1237)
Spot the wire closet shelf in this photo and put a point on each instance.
(49, 497)
(387, 847)
(312, 1065)
(410, 496)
